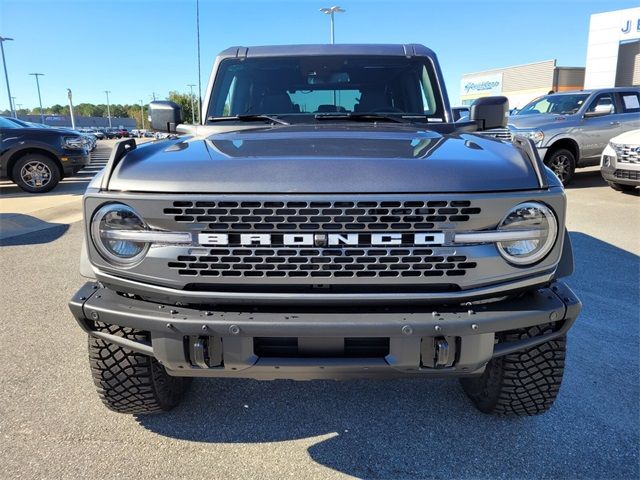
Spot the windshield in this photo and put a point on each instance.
(558, 104)
(302, 87)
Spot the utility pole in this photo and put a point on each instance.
(193, 112)
(73, 118)
(330, 11)
(108, 108)
(39, 97)
(142, 113)
(15, 110)
(6, 75)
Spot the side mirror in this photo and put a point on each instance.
(164, 116)
(599, 111)
(490, 112)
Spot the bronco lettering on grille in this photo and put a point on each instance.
(321, 240)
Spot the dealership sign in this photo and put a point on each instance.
(631, 26)
(482, 84)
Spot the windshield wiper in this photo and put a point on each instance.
(249, 118)
(358, 117)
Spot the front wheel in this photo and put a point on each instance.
(36, 173)
(522, 383)
(563, 163)
(130, 382)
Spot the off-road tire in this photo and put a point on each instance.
(619, 187)
(521, 383)
(54, 173)
(563, 163)
(130, 382)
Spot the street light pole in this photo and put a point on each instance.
(108, 109)
(193, 112)
(6, 75)
(142, 113)
(331, 11)
(199, 74)
(73, 117)
(39, 97)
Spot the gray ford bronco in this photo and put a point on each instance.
(327, 220)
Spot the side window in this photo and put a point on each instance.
(630, 102)
(426, 91)
(228, 102)
(603, 103)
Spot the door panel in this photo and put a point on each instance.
(597, 131)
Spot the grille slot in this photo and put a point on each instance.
(353, 347)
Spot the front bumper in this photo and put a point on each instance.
(230, 339)
(620, 174)
(72, 160)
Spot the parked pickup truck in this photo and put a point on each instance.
(571, 129)
(328, 220)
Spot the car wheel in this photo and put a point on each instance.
(521, 383)
(563, 163)
(36, 173)
(130, 382)
(618, 187)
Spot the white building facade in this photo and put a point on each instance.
(613, 50)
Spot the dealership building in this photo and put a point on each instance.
(521, 83)
(612, 59)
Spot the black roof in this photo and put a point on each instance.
(337, 49)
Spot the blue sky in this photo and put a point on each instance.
(137, 47)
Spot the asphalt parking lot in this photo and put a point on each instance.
(53, 425)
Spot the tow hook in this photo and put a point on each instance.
(442, 352)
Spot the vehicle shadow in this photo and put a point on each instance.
(414, 428)
(75, 185)
(587, 178)
(19, 229)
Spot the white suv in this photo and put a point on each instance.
(620, 161)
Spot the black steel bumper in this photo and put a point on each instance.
(469, 331)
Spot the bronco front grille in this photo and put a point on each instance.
(365, 216)
(297, 262)
(627, 153)
(321, 263)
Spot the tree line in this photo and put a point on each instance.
(117, 110)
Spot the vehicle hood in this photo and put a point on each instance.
(541, 121)
(325, 159)
(632, 137)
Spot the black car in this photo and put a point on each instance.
(35, 158)
(112, 133)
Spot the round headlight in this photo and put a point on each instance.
(106, 231)
(531, 217)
